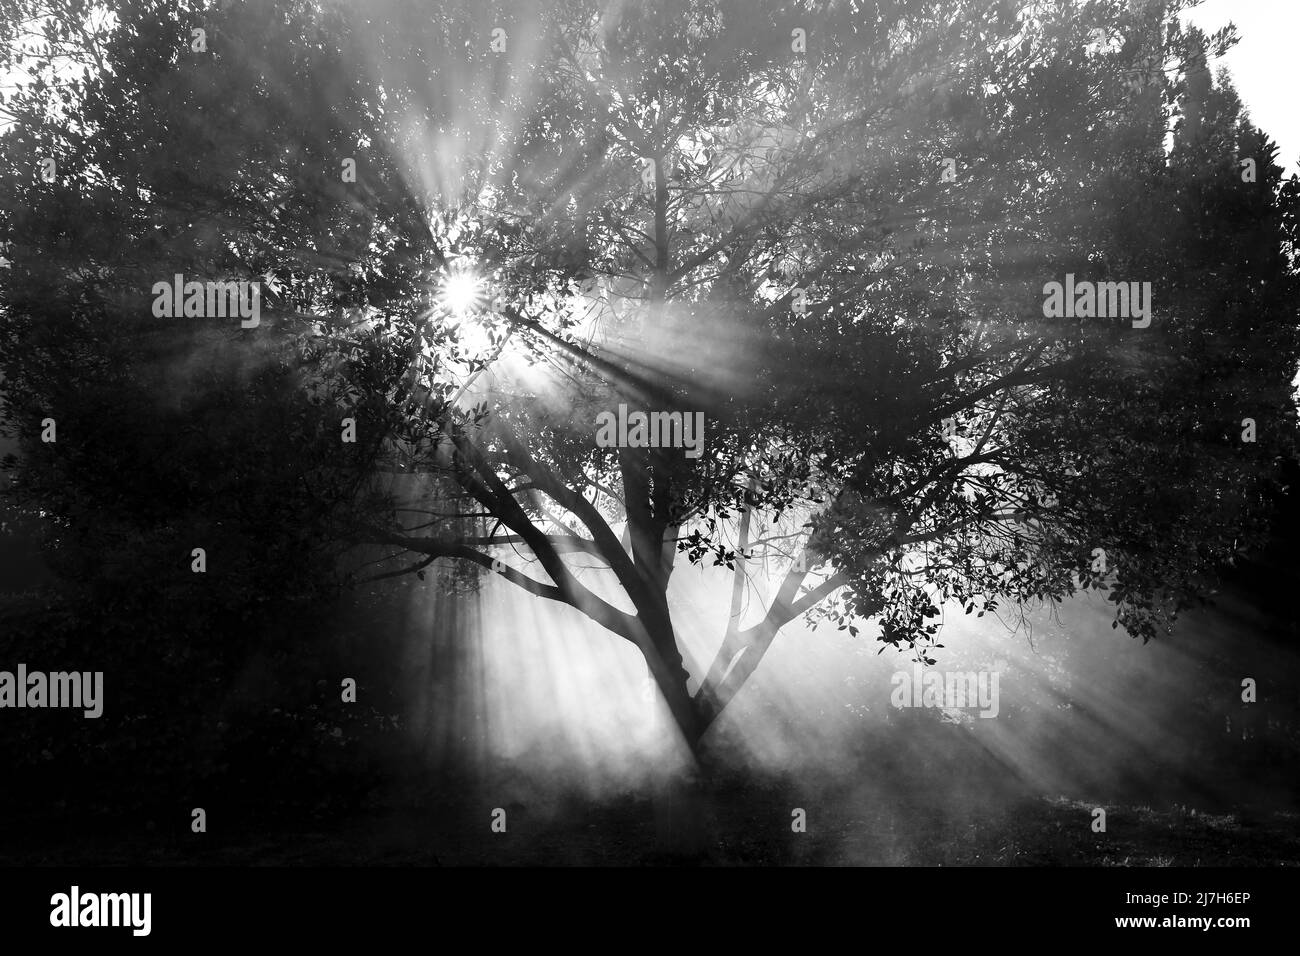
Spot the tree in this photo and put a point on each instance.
(829, 232)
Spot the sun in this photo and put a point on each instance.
(461, 292)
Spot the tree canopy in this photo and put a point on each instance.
(481, 229)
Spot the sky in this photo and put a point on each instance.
(1262, 64)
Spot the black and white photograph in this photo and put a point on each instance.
(649, 435)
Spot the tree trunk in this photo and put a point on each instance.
(671, 677)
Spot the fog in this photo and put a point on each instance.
(536, 704)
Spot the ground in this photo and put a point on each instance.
(736, 825)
